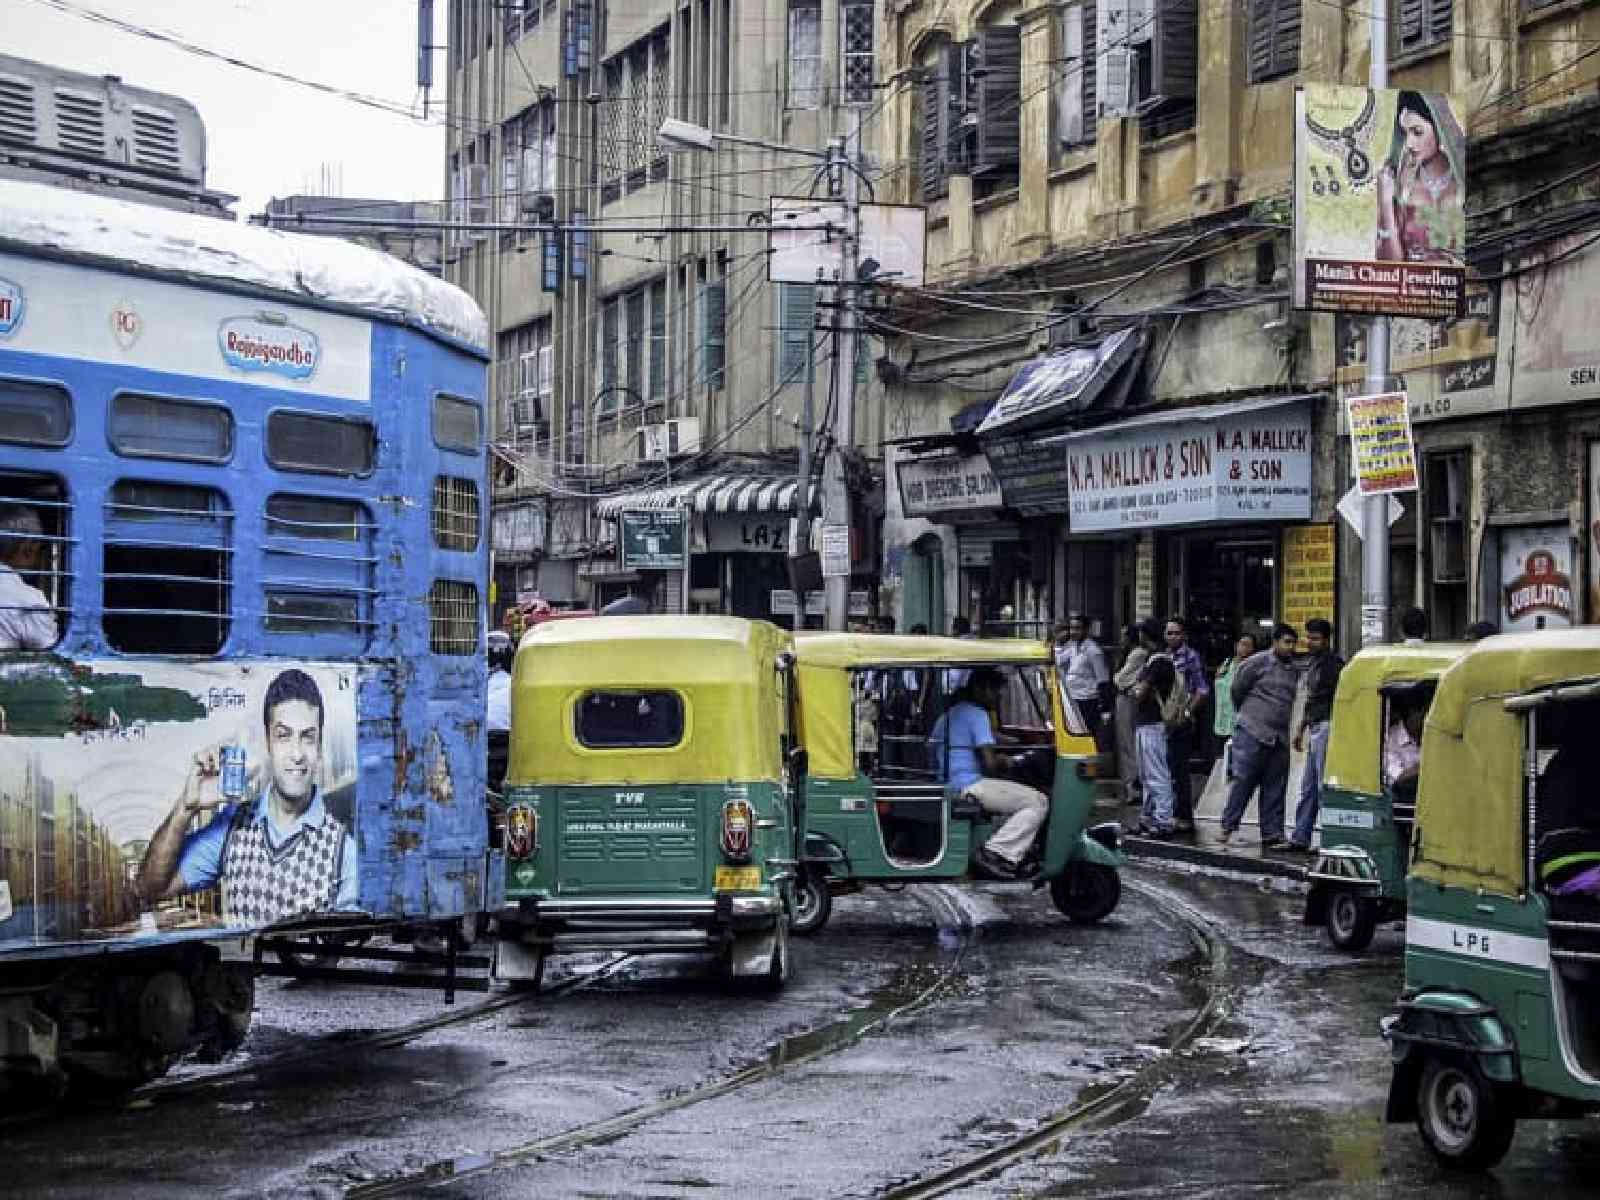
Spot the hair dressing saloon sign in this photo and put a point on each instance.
(1231, 462)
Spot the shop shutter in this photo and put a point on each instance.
(996, 63)
(1172, 51)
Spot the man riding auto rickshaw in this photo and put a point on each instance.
(1369, 786)
(1500, 1015)
(941, 758)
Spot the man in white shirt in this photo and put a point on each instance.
(27, 621)
(501, 655)
(1083, 667)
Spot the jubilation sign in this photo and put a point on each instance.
(1235, 462)
(1380, 183)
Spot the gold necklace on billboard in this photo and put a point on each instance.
(1357, 164)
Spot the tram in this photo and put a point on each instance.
(242, 562)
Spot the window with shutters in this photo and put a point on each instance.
(805, 54)
(933, 120)
(992, 87)
(1273, 39)
(797, 308)
(1146, 62)
(855, 53)
(1421, 25)
(713, 333)
(1076, 109)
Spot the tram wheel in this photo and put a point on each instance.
(1461, 1116)
(813, 904)
(1351, 921)
(1086, 892)
(301, 960)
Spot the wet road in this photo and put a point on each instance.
(923, 1028)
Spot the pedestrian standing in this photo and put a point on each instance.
(1263, 696)
(1139, 642)
(1083, 668)
(1322, 680)
(1223, 714)
(1413, 627)
(1151, 695)
(1180, 735)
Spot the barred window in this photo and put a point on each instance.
(636, 97)
(46, 563)
(452, 617)
(35, 414)
(312, 587)
(167, 568)
(855, 52)
(455, 513)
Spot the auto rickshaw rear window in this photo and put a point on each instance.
(629, 720)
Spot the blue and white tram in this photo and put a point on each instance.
(243, 552)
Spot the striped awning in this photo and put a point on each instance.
(710, 494)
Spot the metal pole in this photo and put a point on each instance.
(1374, 510)
(835, 493)
(801, 543)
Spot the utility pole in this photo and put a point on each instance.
(835, 492)
(1375, 509)
(800, 540)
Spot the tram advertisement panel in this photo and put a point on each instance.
(144, 797)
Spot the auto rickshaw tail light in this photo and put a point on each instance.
(738, 829)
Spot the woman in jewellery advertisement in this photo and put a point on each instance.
(1379, 179)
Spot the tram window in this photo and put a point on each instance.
(455, 513)
(35, 539)
(613, 720)
(167, 570)
(315, 517)
(452, 617)
(312, 588)
(35, 414)
(308, 442)
(457, 424)
(296, 612)
(161, 427)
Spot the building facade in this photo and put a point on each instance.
(411, 230)
(1102, 401)
(643, 360)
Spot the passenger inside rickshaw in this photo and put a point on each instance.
(1405, 711)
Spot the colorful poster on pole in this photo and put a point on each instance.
(1381, 448)
(1379, 217)
(1309, 581)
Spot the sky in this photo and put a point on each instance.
(265, 137)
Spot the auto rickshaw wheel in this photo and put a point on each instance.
(778, 972)
(1351, 920)
(813, 904)
(1086, 892)
(1461, 1116)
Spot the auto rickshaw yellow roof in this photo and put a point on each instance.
(1470, 797)
(1374, 666)
(846, 651)
(1356, 736)
(652, 648)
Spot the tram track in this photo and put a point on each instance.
(1117, 1104)
(795, 1050)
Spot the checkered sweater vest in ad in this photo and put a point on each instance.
(262, 886)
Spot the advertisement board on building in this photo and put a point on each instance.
(947, 486)
(1555, 354)
(1379, 216)
(1381, 447)
(746, 533)
(1044, 391)
(652, 539)
(1536, 578)
(805, 241)
(100, 757)
(1235, 462)
(1309, 578)
(1028, 470)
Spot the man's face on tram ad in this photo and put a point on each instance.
(294, 749)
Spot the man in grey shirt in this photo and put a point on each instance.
(1263, 697)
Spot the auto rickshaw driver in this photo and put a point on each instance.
(962, 747)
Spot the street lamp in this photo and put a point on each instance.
(684, 135)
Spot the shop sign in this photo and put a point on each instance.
(1240, 463)
(781, 603)
(1383, 453)
(1050, 388)
(1029, 473)
(834, 545)
(741, 533)
(1309, 575)
(652, 539)
(518, 529)
(947, 485)
(1536, 578)
(1376, 229)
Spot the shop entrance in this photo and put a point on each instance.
(1225, 585)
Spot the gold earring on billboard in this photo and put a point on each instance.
(1316, 182)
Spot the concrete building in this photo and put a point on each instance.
(642, 358)
(1113, 177)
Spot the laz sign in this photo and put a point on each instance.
(753, 533)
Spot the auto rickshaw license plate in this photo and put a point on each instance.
(738, 879)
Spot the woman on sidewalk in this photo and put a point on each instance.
(1222, 724)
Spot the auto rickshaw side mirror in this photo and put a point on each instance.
(799, 762)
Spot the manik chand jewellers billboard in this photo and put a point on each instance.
(1380, 189)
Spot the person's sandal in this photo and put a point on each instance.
(1224, 837)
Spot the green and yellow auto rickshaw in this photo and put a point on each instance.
(1500, 1015)
(650, 803)
(877, 810)
(1359, 873)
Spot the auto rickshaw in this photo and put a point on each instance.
(876, 809)
(653, 797)
(1358, 875)
(1500, 1015)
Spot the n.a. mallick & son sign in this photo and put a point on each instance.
(1233, 462)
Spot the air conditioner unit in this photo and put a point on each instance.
(683, 436)
(652, 444)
